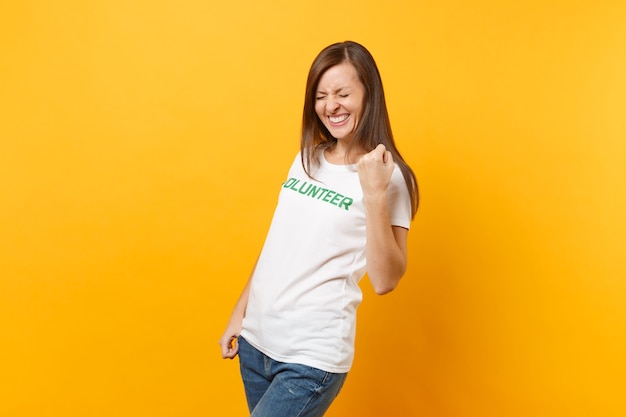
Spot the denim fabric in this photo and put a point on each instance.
(278, 389)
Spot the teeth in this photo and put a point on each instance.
(338, 119)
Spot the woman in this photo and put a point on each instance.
(344, 210)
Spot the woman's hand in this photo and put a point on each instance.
(375, 169)
(228, 341)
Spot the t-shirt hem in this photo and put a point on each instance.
(299, 360)
(401, 223)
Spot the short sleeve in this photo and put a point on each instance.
(399, 200)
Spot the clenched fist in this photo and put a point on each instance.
(375, 169)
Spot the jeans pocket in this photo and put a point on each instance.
(314, 380)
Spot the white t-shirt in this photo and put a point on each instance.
(304, 291)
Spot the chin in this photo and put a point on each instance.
(342, 135)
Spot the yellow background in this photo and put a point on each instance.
(142, 145)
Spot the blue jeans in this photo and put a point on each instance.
(278, 389)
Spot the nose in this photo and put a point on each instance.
(331, 104)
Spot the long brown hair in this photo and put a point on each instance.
(374, 127)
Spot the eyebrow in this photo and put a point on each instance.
(336, 90)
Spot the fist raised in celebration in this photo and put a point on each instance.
(375, 169)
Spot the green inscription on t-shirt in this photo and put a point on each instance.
(319, 193)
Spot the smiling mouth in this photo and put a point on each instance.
(336, 120)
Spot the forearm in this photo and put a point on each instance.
(228, 341)
(239, 311)
(385, 251)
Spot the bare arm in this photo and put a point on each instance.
(386, 246)
(228, 341)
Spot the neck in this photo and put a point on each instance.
(340, 153)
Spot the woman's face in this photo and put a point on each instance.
(339, 100)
